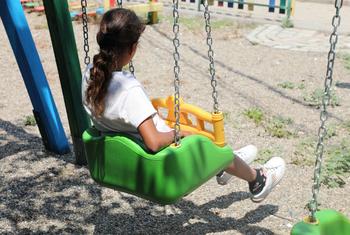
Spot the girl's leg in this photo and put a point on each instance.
(241, 169)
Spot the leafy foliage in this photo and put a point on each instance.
(315, 98)
(29, 121)
(255, 114)
(346, 59)
(286, 85)
(337, 166)
(277, 127)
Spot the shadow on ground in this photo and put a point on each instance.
(58, 197)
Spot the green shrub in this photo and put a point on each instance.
(346, 59)
(277, 127)
(255, 114)
(337, 166)
(346, 125)
(304, 154)
(286, 85)
(29, 121)
(264, 155)
(315, 98)
(287, 23)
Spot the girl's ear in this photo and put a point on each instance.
(133, 48)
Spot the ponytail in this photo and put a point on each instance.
(100, 75)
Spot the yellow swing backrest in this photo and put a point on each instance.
(193, 119)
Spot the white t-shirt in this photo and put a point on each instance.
(126, 106)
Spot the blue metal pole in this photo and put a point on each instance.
(28, 60)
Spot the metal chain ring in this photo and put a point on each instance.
(176, 55)
(120, 3)
(211, 55)
(131, 65)
(132, 68)
(85, 32)
(313, 204)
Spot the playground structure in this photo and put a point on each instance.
(44, 108)
(33, 5)
(283, 7)
(146, 11)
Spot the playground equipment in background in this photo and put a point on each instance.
(285, 6)
(123, 163)
(33, 5)
(45, 112)
(147, 11)
(93, 8)
(324, 222)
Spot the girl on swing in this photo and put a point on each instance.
(117, 102)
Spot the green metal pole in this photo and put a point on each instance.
(289, 9)
(63, 42)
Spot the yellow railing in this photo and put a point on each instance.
(192, 119)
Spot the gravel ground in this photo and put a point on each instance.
(45, 193)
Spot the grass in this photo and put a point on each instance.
(291, 85)
(315, 98)
(29, 121)
(266, 154)
(337, 165)
(286, 85)
(255, 114)
(331, 131)
(41, 26)
(304, 153)
(346, 59)
(287, 23)
(336, 162)
(198, 23)
(346, 125)
(226, 115)
(278, 127)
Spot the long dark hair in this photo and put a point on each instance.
(120, 29)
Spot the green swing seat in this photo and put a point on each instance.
(330, 222)
(119, 162)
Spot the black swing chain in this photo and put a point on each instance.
(131, 65)
(210, 55)
(120, 3)
(322, 132)
(85, 32)
(87, 58)
(176, 55)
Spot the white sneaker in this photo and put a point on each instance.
(247, 154)
(274, 170)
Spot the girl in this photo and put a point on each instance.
(117, 102)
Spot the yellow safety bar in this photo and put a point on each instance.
(146, 7)
(217, 134)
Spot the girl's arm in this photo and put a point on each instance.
(155, 140)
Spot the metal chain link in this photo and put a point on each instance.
(85, 32)
(120, 3)
(131, 65)
(211, 55)
(176, 55)
(132, 68)
(313, 204)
